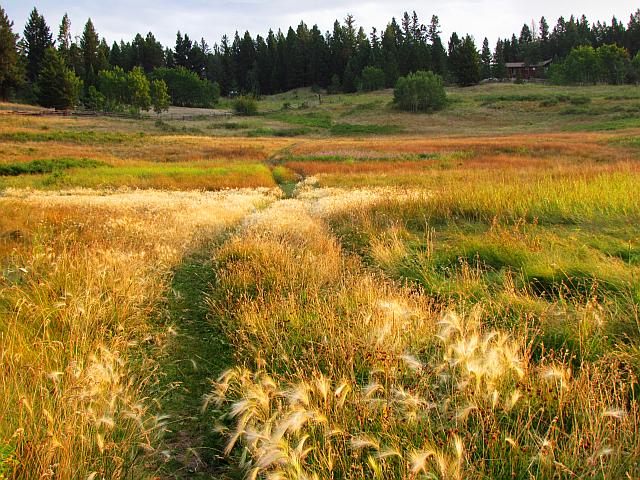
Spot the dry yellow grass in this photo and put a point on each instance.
(81, 275)
(344, 374)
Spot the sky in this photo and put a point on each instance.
(122, 19)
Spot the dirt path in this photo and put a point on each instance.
(198, 353)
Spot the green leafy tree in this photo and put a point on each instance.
(138, 90)
(372, 79)
(420, 92)
(57, 86)
(581, 66)
(131, 90)
(613, 64)
(186, 88)
(94, 99)
(37, 39)
(10, 71)
(113, 85)
(633, 72)
(160, 98)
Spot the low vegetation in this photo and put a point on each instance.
(338, 289)
(420, 92)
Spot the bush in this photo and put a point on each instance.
(372, 79)
(420, 92)
(94, 100)
(245, 106)
(335, 86)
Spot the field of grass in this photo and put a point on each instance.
(325, 290)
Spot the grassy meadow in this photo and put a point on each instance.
(331, 289)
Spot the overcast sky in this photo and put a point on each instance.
(122, 19)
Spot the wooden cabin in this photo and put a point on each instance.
(527, 72)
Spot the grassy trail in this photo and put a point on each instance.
(198, 353)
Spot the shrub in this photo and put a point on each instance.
(245, 106)
(335, 86)
(94, 100)
(420, 92)
(372, 79)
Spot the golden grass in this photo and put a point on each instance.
(343, 374)
(81, 276)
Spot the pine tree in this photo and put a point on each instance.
(37, 38)
(57, 86)
(246, 59)
(467, 62)
(64, 39)
(10, 72)
(632, 35)
(438, 53)
(499, 64)
(486, 59)
(390, 55)
(89, 49)
(182, 50)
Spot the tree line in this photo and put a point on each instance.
(344, 59)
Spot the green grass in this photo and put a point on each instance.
(315, 119)
(277, 132)
(606, 125)
(198, 353)
(46, 166)
(71, 136)
(172, 177)
(350, 129)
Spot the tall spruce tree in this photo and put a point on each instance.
(57, 86)
(37, 39)
(64, 39)
(486, 59)
(390, 55)
(499, 65)
(10, 71)
(89, 43)
(438, 53)
(467, 65)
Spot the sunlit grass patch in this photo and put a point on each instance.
(151, 176)
(70, 136)
(81, 278)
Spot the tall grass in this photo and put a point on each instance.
(343, 374)
(81, 278)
